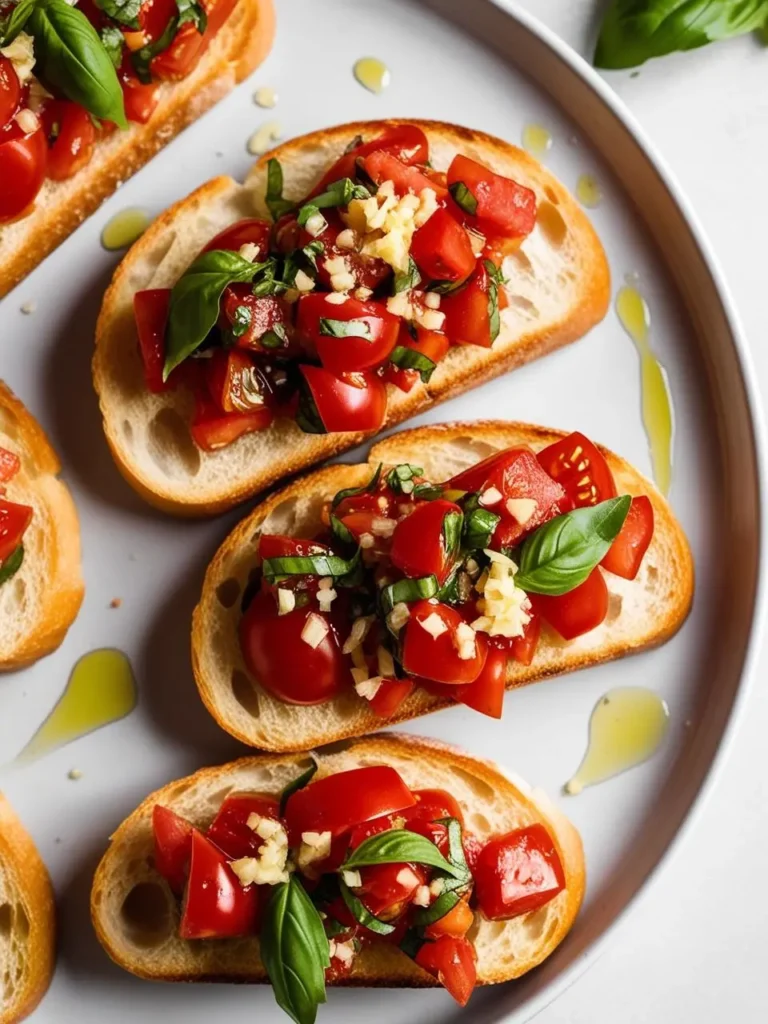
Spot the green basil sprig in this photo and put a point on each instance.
(125, 12)
(13, 22)
(400, 479)
(195, 299)
(633, 31)
(298, 783)
(399, 846)
(12, 564)
(362, 914)
(355, 492)
(463, 197)
(295, 951)
(420, 589)
(338, 193)
(410, 359)
(275, 203)
(346, 328)
(559, 556)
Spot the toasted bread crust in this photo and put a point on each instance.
(28, 881)
(413, 446)
(382, 966)
(239, 47)
(63, 593)
(294, 451)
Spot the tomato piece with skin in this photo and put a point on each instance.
(139, 98)
(437, 657)
(467, 311)
(339, 802)
(432, 344)
(378, 502)
(626, 553)
(391, 694)
(265, 313)
(517, 873)
(503, 206)
(405, 141)
(10, 90)
(367, 271)
(382, 166)
(418, 543)
(580, 468)
(229, 830)
(173, 846)
(355, 402)
(442, 251)
(577, 612)
(212, 429)
(277, 545)
(250, 231)
(23, 160)
(284, 663)
(235, 383)
(216, 906)
(371, 346)
(188, 45)
(150, 310)
(10, 464)
(73, 133)
(154, 16)
(14, 520)
(452, 961)
(486, 693)
(523, 648)
(386, 889)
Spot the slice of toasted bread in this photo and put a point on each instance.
(558, 288)
(39, 603)
(642, 612)
(27, 921)
(136, 917)
(239, 47)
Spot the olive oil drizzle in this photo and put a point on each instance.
(537, 140)
(372, 73)
(122, 230)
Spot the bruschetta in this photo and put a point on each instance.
(89, 93)
(460, 561)
(360, 274)
(396, 861)
(41, 586)
(27, 921)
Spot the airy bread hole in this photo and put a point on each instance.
(20, 592)
(6, 920)
(22, 922)
(551, 222)
(228, 592)
(215, 800)
(550, 193)
(523, 304)
(479, 787)
(521, 261)
(146, 914)
(614, 607)
(244, 692)
(534, 923)
(479, 823)
(171, 445)
(652, 577)
(128, 432)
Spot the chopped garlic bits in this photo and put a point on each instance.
(417, 307)
(352, 879)
(21, 53)
(384, 224)
(358, 633)
(434, 625)
(505, 608)
(315, 630)
(315, 847)
(270, 866)
(464, 641)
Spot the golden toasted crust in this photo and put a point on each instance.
(239, 47)
(378, 965)
(26, 882)
(55, 518)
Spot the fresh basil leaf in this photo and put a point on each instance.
(302, 259)
(463, 197)
(456, 854)
(558, 556)
(70, 57)
(452, 526)
(15, 20)
(341, 532)
(397, 846)
(427, 491)
(346, 328)
(409, 359)
(125, 12)
(354, 492)
(412, 942)
(275, 337)
(298, 783)
(308, 418)
(400, 478)
(334, 928)
(275, 203)
(12, 564)
(361, 913)
(243, 316)
(191, 10)
(113, 41)
(295, 951)
(479, 524)
(494, 320)
(338, 193)
(495, 273)
(195, 300)
(267, 280)
(411, 278)
(309, 565)
(407, 590)
(445, 287)
(142, 59)
(633, 31)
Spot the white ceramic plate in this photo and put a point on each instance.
(457, 62)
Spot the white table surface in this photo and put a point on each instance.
(694, 949)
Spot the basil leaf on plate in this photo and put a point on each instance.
(399, 846)
(354, 492)
(407, 590)
(400, 478)
(295, 951)
(558, 556)
(70, 57)
(275, 203)
(633, 31)
(113, 41)
(125, 12)
(298, 783)
(195, 299)
(12, 564)
(463, 197)
(409, 359)
(346, 328)
(361, 913)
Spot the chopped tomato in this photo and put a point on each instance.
(139, 98)
(442, 251)
(286, 664)
(468, 310)
(338, 802)
(432, 805)
(405, 141)
(486, 693)
(216, 906)
(14, 520)
(367, 271)
(188, 45)
(230, 830)
(354, 402)
(456, 922)
(277, 545)
(577, 612)
(10, 464)
(250, 231)
(386, 889)
(22, 169)
(372, 332)
(257, 323)
(211, 428)
(432, 344)
(452, 961)
(390, 696)
(10, 90)
(71, 134)
(173, 846)
(359, 523)
(627, 551)
(419, 543)
(154, 16)
(517, 873)
(437, 656)
(382, 166)
(234, 382)
(580, 468)
(524, 647)
(150, 309)
(503, 207)
(379, 501)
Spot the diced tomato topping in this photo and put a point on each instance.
(188, 45)
(486, 693)
(354, 402)
(234, 382)
(626, 553)
(452, 961)
(264, 316)
(173, 846)
(577, 612)
(386, 889)
(468, 310)
(383, 166)
(419, 541)
(277, 545)
(372, 333)
(150, 309)
(216, 906)
(406, 142)
(432, 344)
(10, 464)
(211, 428)
(503, 207)
(139, 98)
(391, 694)
(14, 520)
(456, 922)
(442, 251)
(580, 468)
(10, 90)
(518, 873)
(250, 231)
(230, 830)
(524, 647)
(71, 134)
(437, 657)
(22, 169)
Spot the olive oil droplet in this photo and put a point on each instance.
(537, 140)
(588, 191)
(124, 228)
(261, 140)
(658, 419)
(265, 96)
(372, 74)
(626, 728)
(101, 690)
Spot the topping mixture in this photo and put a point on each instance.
(14, 520)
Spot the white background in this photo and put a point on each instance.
(695, 947)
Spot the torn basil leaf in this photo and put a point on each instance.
(409, 359)
(463, 197)
(275, 203)
(346, 328)
(354, 492)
